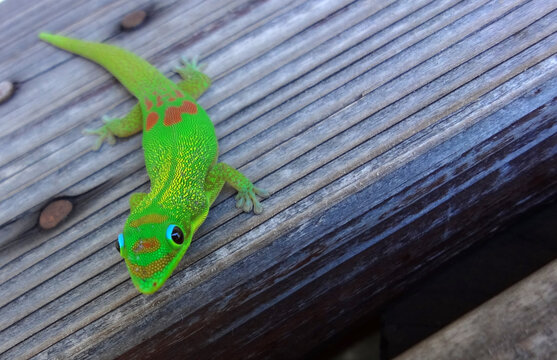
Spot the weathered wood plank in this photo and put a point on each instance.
(312, 135)
(91, 83)
(352, 113)
(302, 250)
(14, 183)
(60, 159)
(70, 177)
(386, 31)
(520, 323)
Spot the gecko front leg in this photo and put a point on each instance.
(246, 199)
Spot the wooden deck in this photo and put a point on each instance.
(520, 323)
(392, 135)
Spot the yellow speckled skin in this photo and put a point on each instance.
(180, 149)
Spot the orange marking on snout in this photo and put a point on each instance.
(147, 271)
(146, 245)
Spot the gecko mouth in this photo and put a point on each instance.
(149, 286)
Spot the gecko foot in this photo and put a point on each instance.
(195, 82)
(191, 68)
(103, 133)
(246, 199)
(190, 65)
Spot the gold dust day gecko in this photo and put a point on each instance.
(180, 148)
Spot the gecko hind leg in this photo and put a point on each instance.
(194, 82)
(129, 125)
(103, 134)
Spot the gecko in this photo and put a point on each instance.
(181, 150)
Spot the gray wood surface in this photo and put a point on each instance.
(520, 323)
(390, 133)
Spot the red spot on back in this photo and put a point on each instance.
(152, 119)
(173, 114)
(179, 93)
(148, 103)
(188, 107)
(159, 100)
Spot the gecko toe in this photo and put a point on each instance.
(110, 139)
(248, 205)
(98, 144)
(240, 202)
(257, 208)
(102, 133)
(261, 192)
(246, 199)
(190, 64)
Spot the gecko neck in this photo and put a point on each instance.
(181, 194)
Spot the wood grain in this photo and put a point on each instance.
(383, 129)
(520, 323)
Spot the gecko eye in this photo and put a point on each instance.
(175, 234)
(120, 243)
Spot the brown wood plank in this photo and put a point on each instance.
(520, 323)
(369, 121)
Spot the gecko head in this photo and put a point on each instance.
(153, 243)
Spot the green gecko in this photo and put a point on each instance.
(180, 149)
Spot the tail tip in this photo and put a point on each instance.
(45, 36)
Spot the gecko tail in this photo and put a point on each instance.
(136, 74)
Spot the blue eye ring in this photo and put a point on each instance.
(120, 243)
(175, 234)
